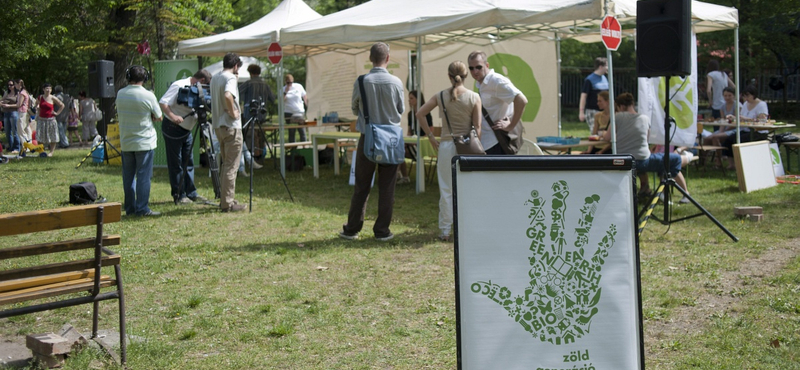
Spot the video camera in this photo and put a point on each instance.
(190, 97)
(256, 108)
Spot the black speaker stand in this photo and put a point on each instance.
(668, 183)
(104, 140)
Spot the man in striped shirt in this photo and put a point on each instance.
(137, 108)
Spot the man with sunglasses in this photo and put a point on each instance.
(501, 99)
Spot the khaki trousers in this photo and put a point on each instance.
(230, 145)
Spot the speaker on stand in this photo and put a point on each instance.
(664, 34)
(101, 86)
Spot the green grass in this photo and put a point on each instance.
(277, 289)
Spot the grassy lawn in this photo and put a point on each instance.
(277, 289)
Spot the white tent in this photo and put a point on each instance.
(478, 22)
(425, 24)
(253, 39)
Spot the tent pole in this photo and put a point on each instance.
(612, 125)
(736, 56)
(558, 79)
(280, 118)
(418, 86)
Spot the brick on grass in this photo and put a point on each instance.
(48, 344)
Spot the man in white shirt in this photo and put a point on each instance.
(177, 131)
(227, 123)
(500, 98)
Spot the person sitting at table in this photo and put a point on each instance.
(411, 150)
(753, 110)
(632, 132)
(728, 110)
(464, 110)
(601, 121)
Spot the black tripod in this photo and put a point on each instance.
(668, 183)
(203, 128)
(257, 112)
(104, 141)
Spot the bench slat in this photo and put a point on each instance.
(55, 268)
(55, 219)
(17, 284)
(56, 290)
(45, 248)
(57, 284)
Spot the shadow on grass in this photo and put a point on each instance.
(406, 240)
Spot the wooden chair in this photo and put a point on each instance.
(703, 150)
(529, 148)
(46, 276)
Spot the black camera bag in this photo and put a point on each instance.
(82, 193)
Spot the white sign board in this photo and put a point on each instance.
(547, 263)
(754, 168)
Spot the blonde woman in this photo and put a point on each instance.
(464, 110)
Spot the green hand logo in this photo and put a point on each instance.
(564, 290)
(681, 100)
(776, 156)
(521, 74)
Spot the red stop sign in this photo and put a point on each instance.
(275, 53)
(611, 32)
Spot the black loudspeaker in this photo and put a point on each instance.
(664, 34)
(101, 79)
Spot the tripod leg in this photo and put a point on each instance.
(647, 211)
(703, 210)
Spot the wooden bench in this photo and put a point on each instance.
(702, 151)
(791, 148)
(80, 280)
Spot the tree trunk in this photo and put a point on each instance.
(161, 34)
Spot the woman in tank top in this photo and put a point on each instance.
(464, 111)
(47, 127)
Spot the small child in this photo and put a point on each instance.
(72, 125)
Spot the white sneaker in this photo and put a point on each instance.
(688, 155)
(256, 166)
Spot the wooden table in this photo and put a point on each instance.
(753, 126)
(337, 138)
(547, 147)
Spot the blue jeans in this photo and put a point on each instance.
(180, 163)
(137, 170)
(292, 131)
(10, 127)
(655, 163)
(63, 140)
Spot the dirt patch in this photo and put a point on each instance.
(689, 320)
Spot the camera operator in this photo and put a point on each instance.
(179, 120)
(254, 90)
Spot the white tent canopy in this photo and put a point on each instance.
(400, 22)
(478, 22)
(253, 39)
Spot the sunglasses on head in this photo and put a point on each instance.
(477, 67)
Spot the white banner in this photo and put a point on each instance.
(531, 66)
(682, 107)
(331, 76)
